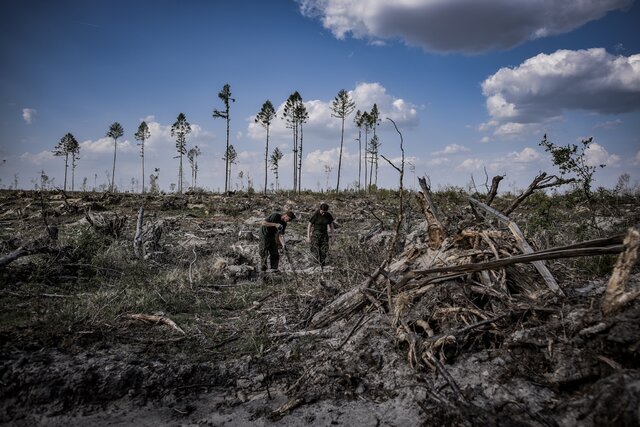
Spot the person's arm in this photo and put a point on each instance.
(309, 227)
(266, 223)
(330, 226)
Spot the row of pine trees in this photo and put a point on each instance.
(295, 115)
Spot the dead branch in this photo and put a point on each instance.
(38, 246)
(436, 231)
(138, 240)
(522, 244)
(494, 188)
(539, 182)
(153, 318)
(615, 297)
(346, 304)
(517, 259)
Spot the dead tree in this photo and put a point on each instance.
(418, 288)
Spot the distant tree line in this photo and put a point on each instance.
(294, 114)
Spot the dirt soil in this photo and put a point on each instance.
(243, 350)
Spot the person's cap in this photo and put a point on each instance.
(291, 215)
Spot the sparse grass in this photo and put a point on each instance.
(95, 281)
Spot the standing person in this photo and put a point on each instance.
(319, 230)
(271, 227)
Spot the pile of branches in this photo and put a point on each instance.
(465, 289)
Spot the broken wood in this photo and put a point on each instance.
(38, 246)
(517, 259)
(346, 304)
(539, 182)
(435, 228)
(616, 297)
(154, 318)
(522, 244)
(494, 189)
(138, 240)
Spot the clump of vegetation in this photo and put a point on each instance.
(572, 159)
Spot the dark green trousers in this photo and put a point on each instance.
(320, 248)
(269, 250)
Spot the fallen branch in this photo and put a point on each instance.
(38, 246)
(522, 243)
(517, 259)
(153, 318)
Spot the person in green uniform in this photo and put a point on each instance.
(271, 230)
(319, 231)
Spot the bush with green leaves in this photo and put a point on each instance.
(572, 159)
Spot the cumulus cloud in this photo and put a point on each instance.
(451, 149)
(38, 158)
(320, 121)
(527, 155)
(438, 161)
(103, 145)
(436, 25)
(596, 155)
(543, 87)
(316, 160)
(470, 165)
(28, 114)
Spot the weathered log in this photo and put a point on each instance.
(345, 304)
(615, 297)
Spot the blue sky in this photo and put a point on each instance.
(472, 85)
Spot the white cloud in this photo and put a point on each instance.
(38, 158)
(451, 149)
(438, 161)
(470, 165)
(540, 89)
(103, 145)
(527, 155)
(320, 121)
(28, 114)
(455, 25)
(596, 155)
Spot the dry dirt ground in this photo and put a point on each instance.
(231, 347)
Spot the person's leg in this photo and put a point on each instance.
(315, 249)
(274, 256)
(323, 251)
(264, 254)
